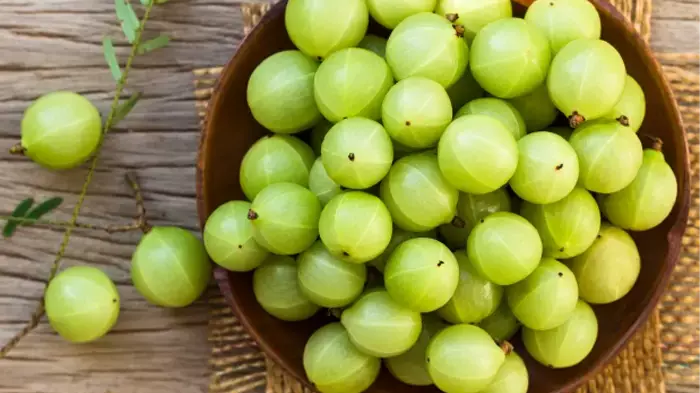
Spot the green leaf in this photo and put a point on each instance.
(153, 44)
(145, 2)
(111, 58)
(21, 209)
(44, 208)
(128, 19)
(124, 108)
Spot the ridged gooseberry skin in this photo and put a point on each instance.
(410, 367)
(327, 280)
(389, 13)
(477, 154)
(228, 238)
(546, 298)
(504, 248)
(548, 168)
(170, 267)
(471, 208)
(608, 270)
(563, 21)
(357, 153)
(398, 236)
(586, 79)
(417, 195)
(321, 184)
(81, 303)
(500, 110)
(277, 290)
(475, 297)
(280, 92)
(421, 274)
(567, 227)
(61, 130)
(509, 58)
(275, 159)
(566, 345)
(379, 326)
(464, 90)
(334, 365)
(416, 112)
(474, 14)
(352, 82)
(463, 358)
(355, 226)
(502, 324)
(427, 45)
(536, 108)
(319, 27)
(631, 107)
(648, 200)
(374, 44)
(512, 377)
(609, 155)
(285, 218)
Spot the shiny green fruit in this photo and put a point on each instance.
(500, 110)
(276, 288)
(321, 184)
(502, 324)
(471, 208)
(398, 236)
(410, 367)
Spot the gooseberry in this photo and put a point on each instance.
(473, 14)
(471, 208)
(276, 289)
(321, 184)
(502, 324)
(631, 107)
(374, 43)
(563, 21)
(536, 108)
(410, 367)
(500, 110)
(398, 236)
(389, 13)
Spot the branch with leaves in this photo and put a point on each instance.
(133, 29)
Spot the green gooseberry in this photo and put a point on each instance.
(609, 155)
(352, 82)
(471, 208)
(567, 227)
(61, 130)
(417, 195)
(416, 112)
(427, 45)
(536, 108)
(357, 153)
(355, 226)
(608, 270)
(275, 159)
(319, 27)
(277, 290)
(500, 110)
(474, 14)
(504, 248)
(512, 377)
(410, 367)
(398, 236)
(374, 43)
(546, 298)
(475, 297)
(318, 134)
(81, 303)
(281, 92)
(631, 107)
(389, 13)
(477, 154)
(321, 184)
(228, 238)
(648, 200)
(285, 218)
(464, 90)
(548, 168)
(502, 324)
(510, 58)
(170, 267)
(421, 274)
(563, 21)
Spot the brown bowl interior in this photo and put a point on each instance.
(230, 130)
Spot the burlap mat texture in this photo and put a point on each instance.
(663, 356)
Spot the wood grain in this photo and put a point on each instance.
(48, 45)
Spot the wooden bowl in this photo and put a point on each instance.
(230, 130)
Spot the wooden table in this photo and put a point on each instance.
(48, 45)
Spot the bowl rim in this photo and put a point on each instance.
(674, 236)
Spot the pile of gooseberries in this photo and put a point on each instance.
(487, 167)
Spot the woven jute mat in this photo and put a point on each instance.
(663, 356)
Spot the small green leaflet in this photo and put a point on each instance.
(153, 44)
(125, 107)
(128, 19)
(20, 211)
(111, 58)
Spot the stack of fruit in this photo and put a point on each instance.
(482, 214)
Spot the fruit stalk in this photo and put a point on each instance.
(17, 150)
